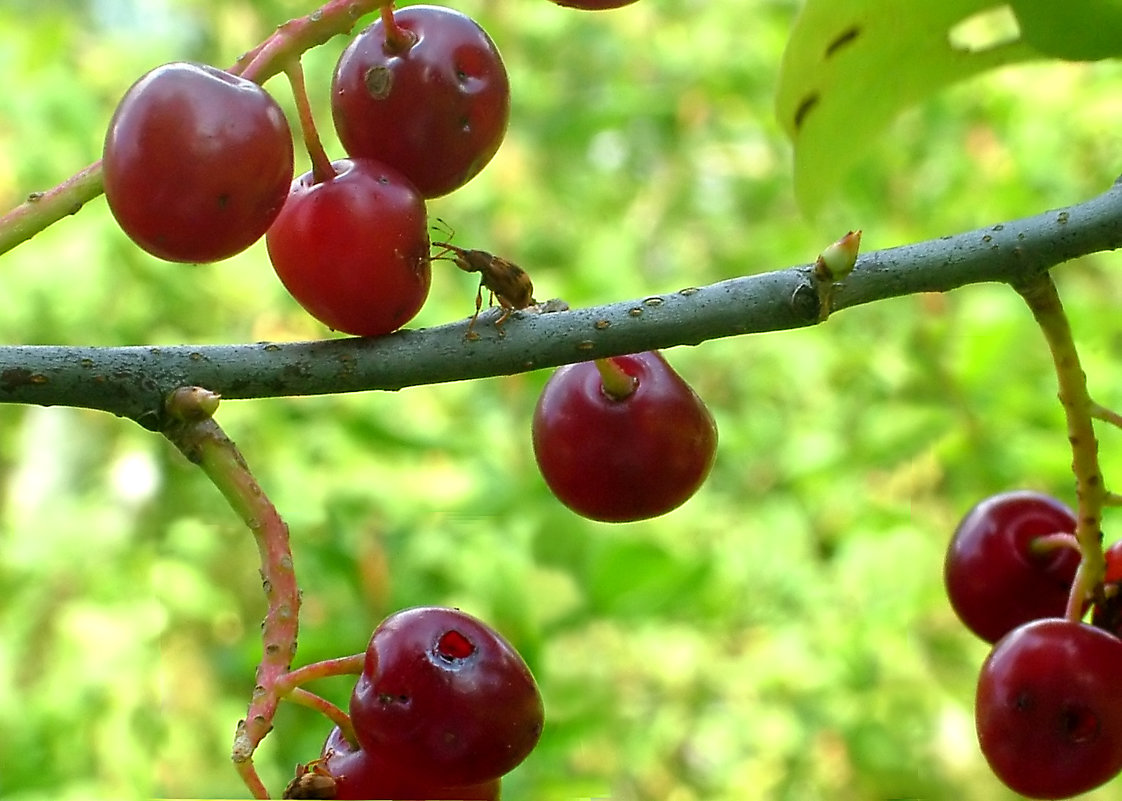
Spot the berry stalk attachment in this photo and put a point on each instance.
(1044, 301)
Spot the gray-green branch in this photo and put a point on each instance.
(133, 381)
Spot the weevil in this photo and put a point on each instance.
(506, 281)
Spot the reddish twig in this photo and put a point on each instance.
(192, 428)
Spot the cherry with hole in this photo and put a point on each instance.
(424, 90)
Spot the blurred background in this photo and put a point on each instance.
(784, 635)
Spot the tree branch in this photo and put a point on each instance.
(133, 381)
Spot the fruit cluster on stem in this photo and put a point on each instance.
(1021, 572)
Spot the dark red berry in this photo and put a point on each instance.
(431, 98)
(1049, 708)
(354, 249)
(618, 457)
(358, 774)
(445, 697)
(594, 5)
(197, 162)
(994, 577)
(1107, 612)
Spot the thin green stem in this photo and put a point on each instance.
(616, 382)
(1044, 301)
(192, 428)
(1100, 412)
(43, 209)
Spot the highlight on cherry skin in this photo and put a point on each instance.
(428, 96)
(353, 249)
(444, 698)
(622, 439)
(196, 163)
(1048, 708)
(999, 573)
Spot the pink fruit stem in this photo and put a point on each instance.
(299, 35)
(398, 40)
(321, 164)
(1044, 301)
(289, 689)
(1053, 542)
(329, 710)
(193, 430)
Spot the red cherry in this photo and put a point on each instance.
(1113, 557)
(197, 162)
(994, 578)
(1049, 708)
(1107, 613)
(354, 249)
(626, 458)
(443, 696)
(360, 775)
(432, 100)
(594, 5)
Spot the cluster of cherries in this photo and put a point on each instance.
(443, 708)
(198, 165)
(1048, 708)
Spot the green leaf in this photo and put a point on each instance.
(851, 65)
(1086, 30)
(634, 578)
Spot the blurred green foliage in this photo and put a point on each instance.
(782, 636)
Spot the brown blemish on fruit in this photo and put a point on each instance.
(378, 81)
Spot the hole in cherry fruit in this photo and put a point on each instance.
(452, 646)
(1079, 724)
